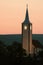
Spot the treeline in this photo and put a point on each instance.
(16, 55)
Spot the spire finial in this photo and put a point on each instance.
(27, 6)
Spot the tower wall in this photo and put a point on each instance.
(31, 51)
(27, 38)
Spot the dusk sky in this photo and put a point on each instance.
(12, 14)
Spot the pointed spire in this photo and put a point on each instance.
(27, 12)
(27, 17)
(27, 6)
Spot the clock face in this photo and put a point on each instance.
(30, 27)
(25, 27)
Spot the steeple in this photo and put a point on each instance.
(27, 17)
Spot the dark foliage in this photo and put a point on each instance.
(15, 55)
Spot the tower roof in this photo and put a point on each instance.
(27, 16)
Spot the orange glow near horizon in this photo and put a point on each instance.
(12, 14)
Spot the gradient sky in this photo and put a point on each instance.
(12, 14)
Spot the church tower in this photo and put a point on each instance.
(27, 34)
